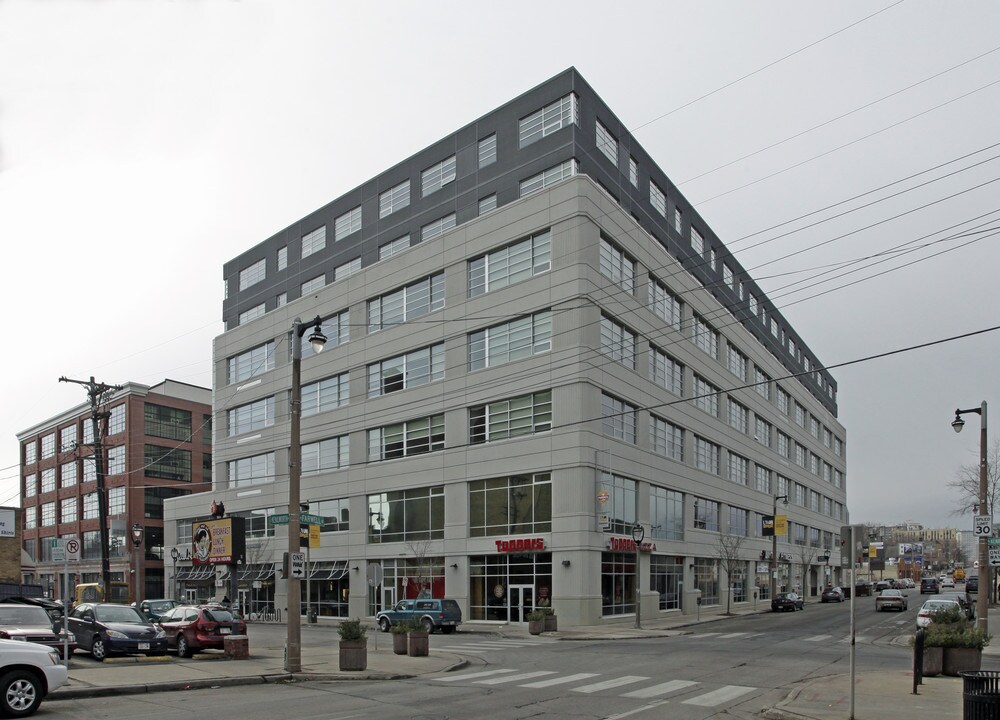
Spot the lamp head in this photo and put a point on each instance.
(317, 339)
(175, 553)
(958, 423)
(638, 533)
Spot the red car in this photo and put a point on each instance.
(192, 628)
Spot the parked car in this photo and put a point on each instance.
(862, 588)
(28, 672)
(963, 599)
(433, 614)
(929, 585)
(894, 599)
(832, 594)
(881, 585)
(972, 584)
(924, 617)
(787, 601)
(155, 609)
(32, 624)
(104, 629)
(53, 607)
(191, 628)
(947, 583)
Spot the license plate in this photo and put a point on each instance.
(143, 646)
(225, 631)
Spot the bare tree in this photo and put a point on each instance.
(419, 560)
(730, 561)
(806, 556)
(966, 483)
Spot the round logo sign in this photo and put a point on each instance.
(603, 496)
(498, 590)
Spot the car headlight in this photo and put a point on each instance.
(161, 633)
(117, 635)
(68, 637)
(55, 657)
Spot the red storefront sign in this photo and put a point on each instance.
(521, 545)
(628, 545)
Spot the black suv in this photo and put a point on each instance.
(972, 584)
(929, 585)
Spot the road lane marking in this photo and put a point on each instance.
(467, 676)
(717, 697)
(515, 678)
(661, 689)
(608, 684)
(560, 680)
(817, 638)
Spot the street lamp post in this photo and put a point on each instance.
(983, 596)
(137, 533)
(293, 650)
(174, 554)
(774, 544)
(638, 533)
(826, 567)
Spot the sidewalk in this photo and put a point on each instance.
(878, 695)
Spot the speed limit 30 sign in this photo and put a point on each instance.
(983, 526)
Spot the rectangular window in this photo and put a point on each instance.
(665, 304)
(67, 474)
(67, 439)
(763, 479)
(838, 446)
(705, 337)
(727, 276)
(617, 266)
(394, 247)
(167, 463)
(739, 521)
(739, 416)
(618, 342)
(347, 269)
(524, 415)
(67, 510)
(335, 512)
(347, 224)
(325, 455)
(314, 241)
(406, 515)
(488, 150)
(739, 469)
(336, 328)
(48, 480)
(549, 119)
(282, 257)
(252, 470)
(251, 363)
(800, 415)
(116, 460)
(784, 400)
(666, 372)
(800, 455)
(31, 485)
(784, 444)
(510, 505)
(252, 314)
(407, 303)
(666, 438)
(89, 470)
(607, 143)
(326, 394)
(678, 220)
(406, 371)
(253, 274)
(633, 172)
(31, 450)
(90, 509)
(116, 421)
(437, 176)
(706, 514)
(762, 383)
(618, 418)
(657, 199)
(488, 204)
(755, 306)
(404, 439)
(252, 416)
(706, 455)
(666, 513)
(393, 199)
(167, 422)
(706, 396)
(737, 362)
(116, 501)
(827, 437)
(814, 427)
(311, 286)
(437, 227)
(514, 340)
(508, 265)
(549, 177)
(49, 446)
(48, 514)
(762, 431)
(281, 300)
(697, 242)
(621, 507)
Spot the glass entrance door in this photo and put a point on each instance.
(522, 602)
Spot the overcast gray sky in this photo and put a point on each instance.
(143, 144)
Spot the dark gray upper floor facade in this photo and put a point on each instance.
(559, 127)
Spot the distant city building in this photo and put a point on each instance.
(534, 343)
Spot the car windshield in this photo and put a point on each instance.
(218, 615)
(23, 616)
(938, 605)
(113, 613)
(891, 593)
(161, 606)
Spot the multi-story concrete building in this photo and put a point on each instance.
(535, 343)
(158, 445)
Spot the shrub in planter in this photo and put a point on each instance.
(399, 636)
(551, 621)
(417, 640)
(960, 642)
(536, 622)
(353, 645)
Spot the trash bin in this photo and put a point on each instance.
(311, 616)
(981, 695)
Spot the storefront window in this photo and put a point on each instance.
(417, 576)
(706, 579)
(665, 576)
(617, 583)
(504, 588)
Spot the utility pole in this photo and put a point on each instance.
(99, 394)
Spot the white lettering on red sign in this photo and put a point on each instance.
(521, 545)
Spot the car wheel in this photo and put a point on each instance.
(183, 649)
(97, 649)
(22, 693)
(428, 625)
(383, 624)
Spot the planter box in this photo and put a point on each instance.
(536, 627)
(353, 654)
(551, 623)
(957, 660)
(417, 644)
(399, 643)
(933, 661)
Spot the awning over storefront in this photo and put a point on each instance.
(328, 570)
(196, 573)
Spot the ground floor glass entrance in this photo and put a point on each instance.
(506, 588)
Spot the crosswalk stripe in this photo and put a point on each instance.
(731, 635)
(608, 684)
(467, 676)
(717, 697)
(817, 638)
(515, 678)
(560, 680)
(661, 689)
